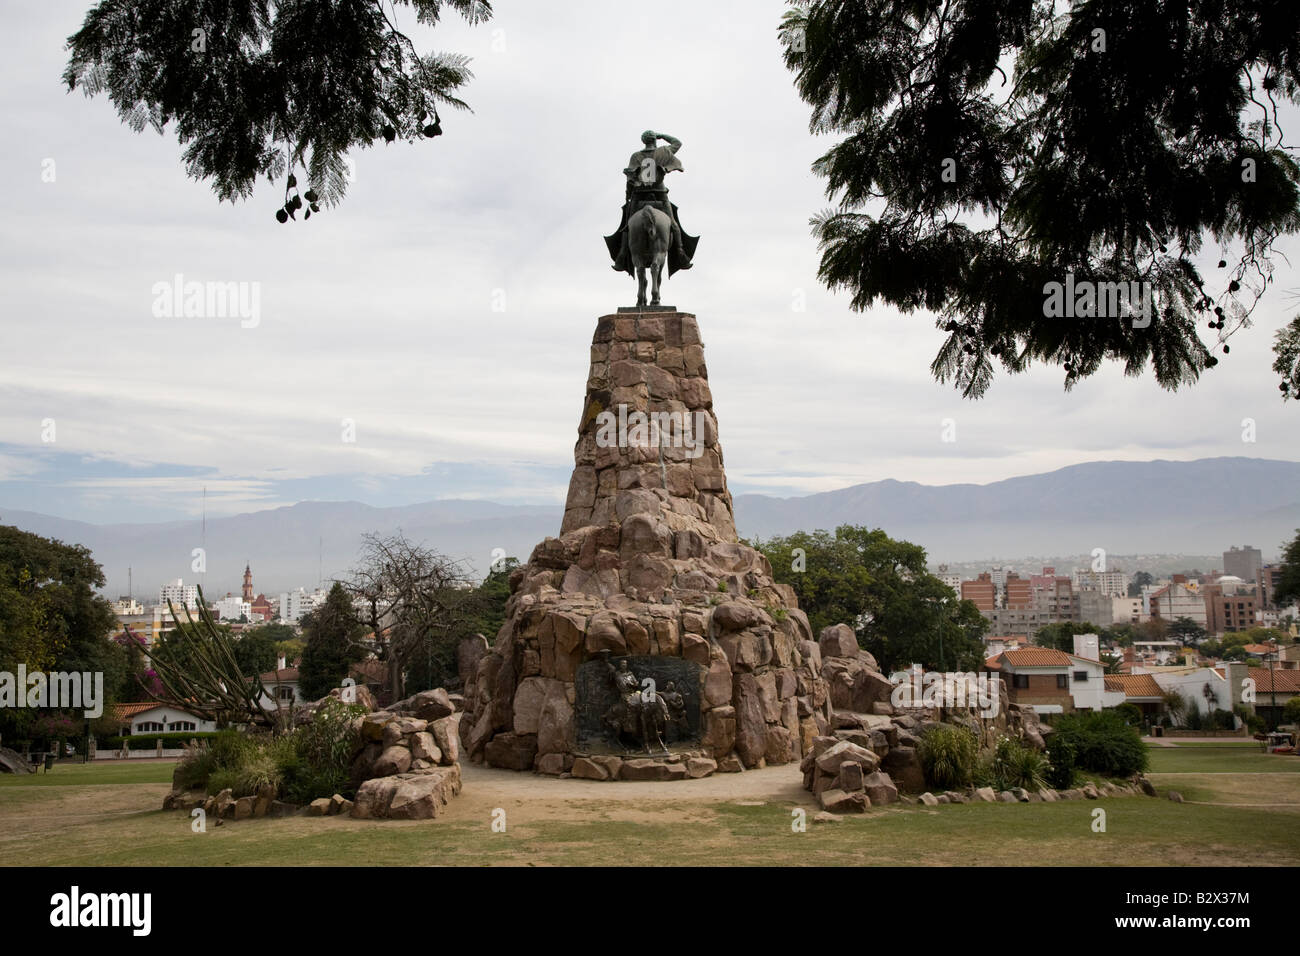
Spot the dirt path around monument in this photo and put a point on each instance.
(527, 797)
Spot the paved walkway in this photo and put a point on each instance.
(1175, 741)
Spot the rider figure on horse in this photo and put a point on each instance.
(629, 688)
(645, 187)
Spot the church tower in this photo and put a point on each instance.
(248, 584)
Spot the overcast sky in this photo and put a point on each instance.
(381, 310)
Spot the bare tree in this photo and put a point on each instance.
(409, 596)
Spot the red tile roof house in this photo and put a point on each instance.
(1140, 690)
(1052, 681)
(1274, 686)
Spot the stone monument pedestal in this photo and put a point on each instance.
(647, 569)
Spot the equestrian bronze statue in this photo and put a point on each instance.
(641, 714)
(650, 234)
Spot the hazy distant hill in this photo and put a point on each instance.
(1197, 507)
(292, 547)
(1200, 506)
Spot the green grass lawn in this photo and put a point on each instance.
(102, 773)
(1224, 742)
(108, 814)
(1191, 758)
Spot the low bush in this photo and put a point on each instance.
(1010, 765)
(219, 765)
(258, 770)
(222, 779)
(947, 754)
(1103, 743)
(195, 770)
(1131, 713)
(316, 759)
(1060, 754)
(309, 762)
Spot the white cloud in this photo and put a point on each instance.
(379, 310)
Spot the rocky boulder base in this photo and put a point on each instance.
(868, 756)
(406, 766)
(1089, 791)
(648, 563)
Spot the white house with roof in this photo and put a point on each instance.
(1088, 676)
(281, 687)
(156, 718)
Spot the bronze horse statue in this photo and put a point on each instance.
(643, 715)
(649, 236)
(645, 720)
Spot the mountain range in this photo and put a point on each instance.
(1126, 507)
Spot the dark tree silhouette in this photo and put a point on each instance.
(266, 87)
(992, 147)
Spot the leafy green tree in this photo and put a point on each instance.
(1186, 630)
(275, 633)
(179, 646)
(1260, 635)
(51, 619)
(1140, 580)
(49, 612)
(255, 651)
(1060, 634)
(482, 612)
(1119, 634)
(332, 631)
(828, 573)
(264, 89)
(489, 610)
(881, 588)
(284, 638)
(991, 149)
(1288, 588)
(1155, 629)
(1286, 359)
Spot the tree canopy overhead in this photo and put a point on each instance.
(993, 148)
(266, 87)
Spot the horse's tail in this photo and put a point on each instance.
(651, 229)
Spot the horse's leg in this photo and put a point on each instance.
(640, 287)
(657, 271)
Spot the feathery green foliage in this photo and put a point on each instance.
(261, 88)
(991, 147)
